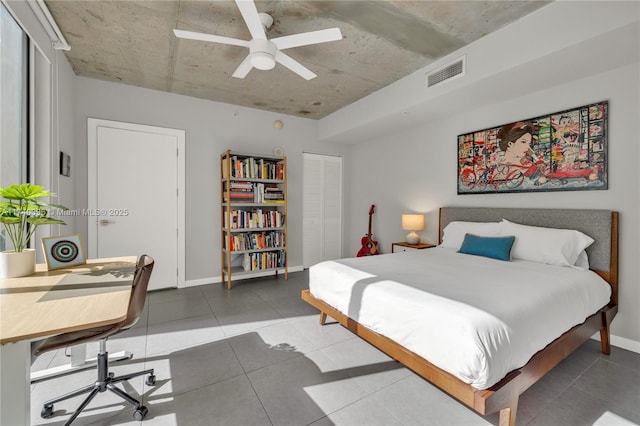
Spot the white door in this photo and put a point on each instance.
(136, 196)
(322, 208)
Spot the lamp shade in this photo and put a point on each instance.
(413, 222)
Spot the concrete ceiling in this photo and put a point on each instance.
(132, 42)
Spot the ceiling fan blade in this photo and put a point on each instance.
(250, 15)
(294, 66)
(244, 68)
(303, 39)
(210, 37)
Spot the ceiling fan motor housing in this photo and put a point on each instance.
(263, 54)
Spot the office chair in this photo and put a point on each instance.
(106, 380)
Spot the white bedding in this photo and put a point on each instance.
(474, 317)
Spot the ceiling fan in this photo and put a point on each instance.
(263, 52)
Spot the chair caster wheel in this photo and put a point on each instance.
(47, 411)
(151, 380)
(140, 413)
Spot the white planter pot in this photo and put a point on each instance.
(17, 264)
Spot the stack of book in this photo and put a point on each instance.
(273, 194)
(241, 191)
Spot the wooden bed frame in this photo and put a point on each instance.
(504, 395)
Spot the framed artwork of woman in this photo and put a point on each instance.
(562, 151)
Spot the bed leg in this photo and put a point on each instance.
(604, 340)
(323, 318)
(508, 415)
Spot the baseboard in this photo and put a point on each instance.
(621, 342)
(624, 343)
(201, 281)
(218, 279)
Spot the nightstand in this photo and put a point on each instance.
(402, 246)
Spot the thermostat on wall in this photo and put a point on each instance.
(278, 151)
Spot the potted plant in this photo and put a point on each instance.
(21, 212)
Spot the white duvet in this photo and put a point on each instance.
(474, 317)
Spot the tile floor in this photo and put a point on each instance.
(256, 355)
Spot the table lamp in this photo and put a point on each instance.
(413, 223)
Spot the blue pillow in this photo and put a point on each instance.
(493, 247)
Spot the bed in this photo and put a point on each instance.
(402, 304)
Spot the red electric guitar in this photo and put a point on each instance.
(369, 246)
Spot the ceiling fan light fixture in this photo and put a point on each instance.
(263, 54)
(262, 61)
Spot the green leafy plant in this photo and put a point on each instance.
(23, 212)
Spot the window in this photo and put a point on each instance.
(13, 103)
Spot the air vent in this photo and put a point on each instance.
(455, 69)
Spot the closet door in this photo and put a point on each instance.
(322, 208)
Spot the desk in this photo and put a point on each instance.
(49, 303)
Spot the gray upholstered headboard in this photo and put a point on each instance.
(595, 223)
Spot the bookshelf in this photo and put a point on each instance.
(253, 200)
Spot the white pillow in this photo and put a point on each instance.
(453, 234)
(546, 245)
(582, 262)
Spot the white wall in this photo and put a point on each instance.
(211, 128)
(420, 173)
(63, 133)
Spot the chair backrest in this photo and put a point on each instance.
(141, 277)
(140, 283)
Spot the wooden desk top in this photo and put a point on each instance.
(53, 302)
